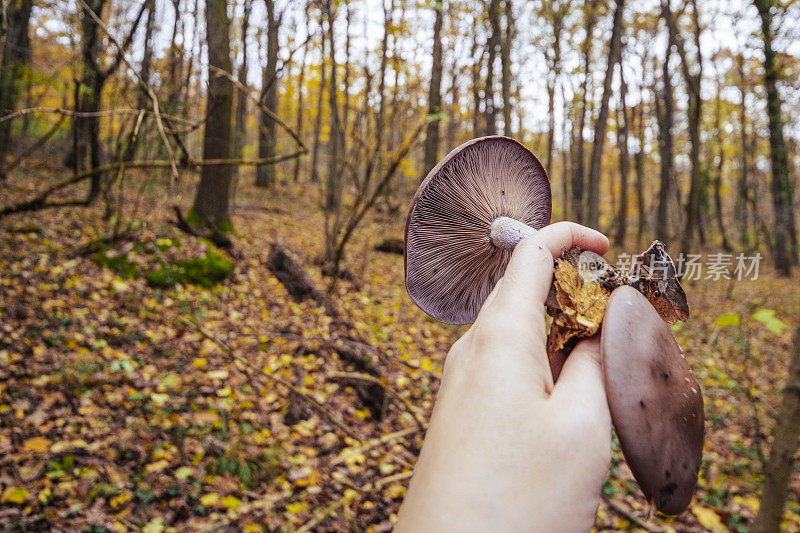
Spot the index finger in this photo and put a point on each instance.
(529, 273)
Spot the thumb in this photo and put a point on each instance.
(580, 386)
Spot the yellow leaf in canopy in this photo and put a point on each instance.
(199, 362)
(15, 495)
(36, 445)
(709, 519)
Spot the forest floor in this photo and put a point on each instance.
(129, 404)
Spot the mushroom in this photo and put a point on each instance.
(465, 220)
(655, 402)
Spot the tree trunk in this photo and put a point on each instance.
(778, 469)
(334, 183)
(434, 94)
(742, 186)
(214, 193)
(454, 115)
(694, 223)
(86, 149)
(638, 161)
(664, 112)
(614, 54)
(720, 166)
(265, 174)
(320, 100)
(14, 57)
(476, 91)
(505, 62)
(300, 100)
(240, 131)
(780, 186)
(624, 160)
(490, 111)
(578, 170)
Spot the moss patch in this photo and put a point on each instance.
(203, 271)
(163, 272)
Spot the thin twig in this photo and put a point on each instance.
(40, 201)
(264, 109)
(35, 146)
(88, 114)
(314, 404)
(357, 376)
(630, 517)
(374, 443)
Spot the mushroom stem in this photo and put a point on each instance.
(506, 232)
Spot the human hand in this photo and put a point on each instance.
(507, 449)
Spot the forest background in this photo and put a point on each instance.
(203, 321)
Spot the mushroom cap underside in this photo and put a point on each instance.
(451, 265)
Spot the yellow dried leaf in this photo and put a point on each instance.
(36, 445)
(157, 466)
(709, 519)
(15, 495)
(231, 502)
(209, 500)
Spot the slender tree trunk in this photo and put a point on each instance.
(665, 121)
(720, 166)
(578, 170)
(505, 62)
(86, 152)
(551, 122)
(320, 100)
(214, 193)
(624, 160)
(638, 161)
(453, 124)
(265, 174)
(334, 183)
(744, 164)
(694, 223)
(476, 91)
(240, 131)
(778, 469)
(434, 94)
(300, 98)
(614, 54)
(14, 56)
(780, 186)
(490, 110)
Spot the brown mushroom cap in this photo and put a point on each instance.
(451, 264)
(655, 403)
